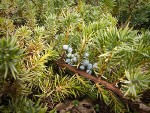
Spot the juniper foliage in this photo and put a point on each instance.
(32, 35)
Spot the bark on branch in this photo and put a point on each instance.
(136, 106)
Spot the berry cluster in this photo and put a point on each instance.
(70, 57)
(73, 58)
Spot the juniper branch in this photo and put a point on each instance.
(136, 106)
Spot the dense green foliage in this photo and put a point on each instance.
(32, 35)
(135, 12)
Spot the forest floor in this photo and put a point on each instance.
(86, 105)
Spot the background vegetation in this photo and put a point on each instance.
(107, 39)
